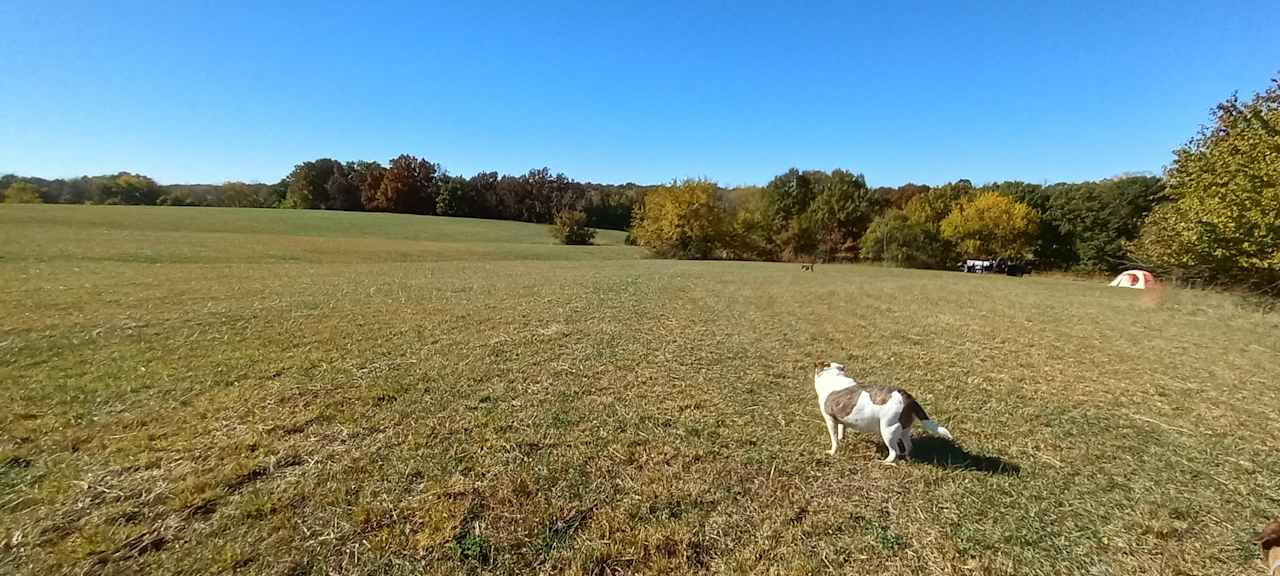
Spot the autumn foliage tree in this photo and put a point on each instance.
(125, 188)
(682, 220)
(367, 178)
(407, 186)
(570, 227)
(992, 225)
(22, 193)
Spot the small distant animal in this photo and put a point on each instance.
(808, 267)
(1270, 543)
(887, 412)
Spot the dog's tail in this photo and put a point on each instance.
(928, 424)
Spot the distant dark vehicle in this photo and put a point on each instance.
(998, 266)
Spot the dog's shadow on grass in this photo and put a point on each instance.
(947, 454)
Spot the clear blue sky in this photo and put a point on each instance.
(614, 92)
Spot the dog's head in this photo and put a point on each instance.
(1270, 542)
(823, 366)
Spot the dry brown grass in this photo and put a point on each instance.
(182, 397)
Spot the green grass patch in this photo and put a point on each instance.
(208, 390)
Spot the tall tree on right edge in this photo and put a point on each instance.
(1223, 224)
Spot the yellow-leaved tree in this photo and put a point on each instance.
(682, 220)
(992, 225)
(22, 193)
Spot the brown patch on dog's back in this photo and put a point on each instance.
(910, 408)
(841, 402)
(880, 395)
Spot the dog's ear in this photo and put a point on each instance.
(819, 365)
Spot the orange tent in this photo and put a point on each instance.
(1140, 279)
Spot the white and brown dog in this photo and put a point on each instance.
(888, 412)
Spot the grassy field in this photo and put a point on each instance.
(286, 392)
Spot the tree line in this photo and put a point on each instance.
(1213, 216)
(833, 216)
(416, 186)
(406, 184)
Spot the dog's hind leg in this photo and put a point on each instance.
(905, 439)
(840, 432)
(831, 429)
(890, 434)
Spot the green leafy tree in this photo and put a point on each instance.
(800, 239)
(70, 191)
(1088, 225)
(452, 196)
(484, 189)
(752, 224)
(308, 183)
(1122, 204)
(611, 206)
(682, 220)
(790, 194)
(1055, 248)
(241, 195)
(755, 234)
(22, 193)
(935, 204)
(274, 195)
(1223, 221)
(894, 237)
(343, 193)
(841, 212)
(176, 197)
(913, 236)
(126, 188)
(801, 214)
(992, 225)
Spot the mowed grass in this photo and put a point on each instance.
(164, 235)
(286, 392)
